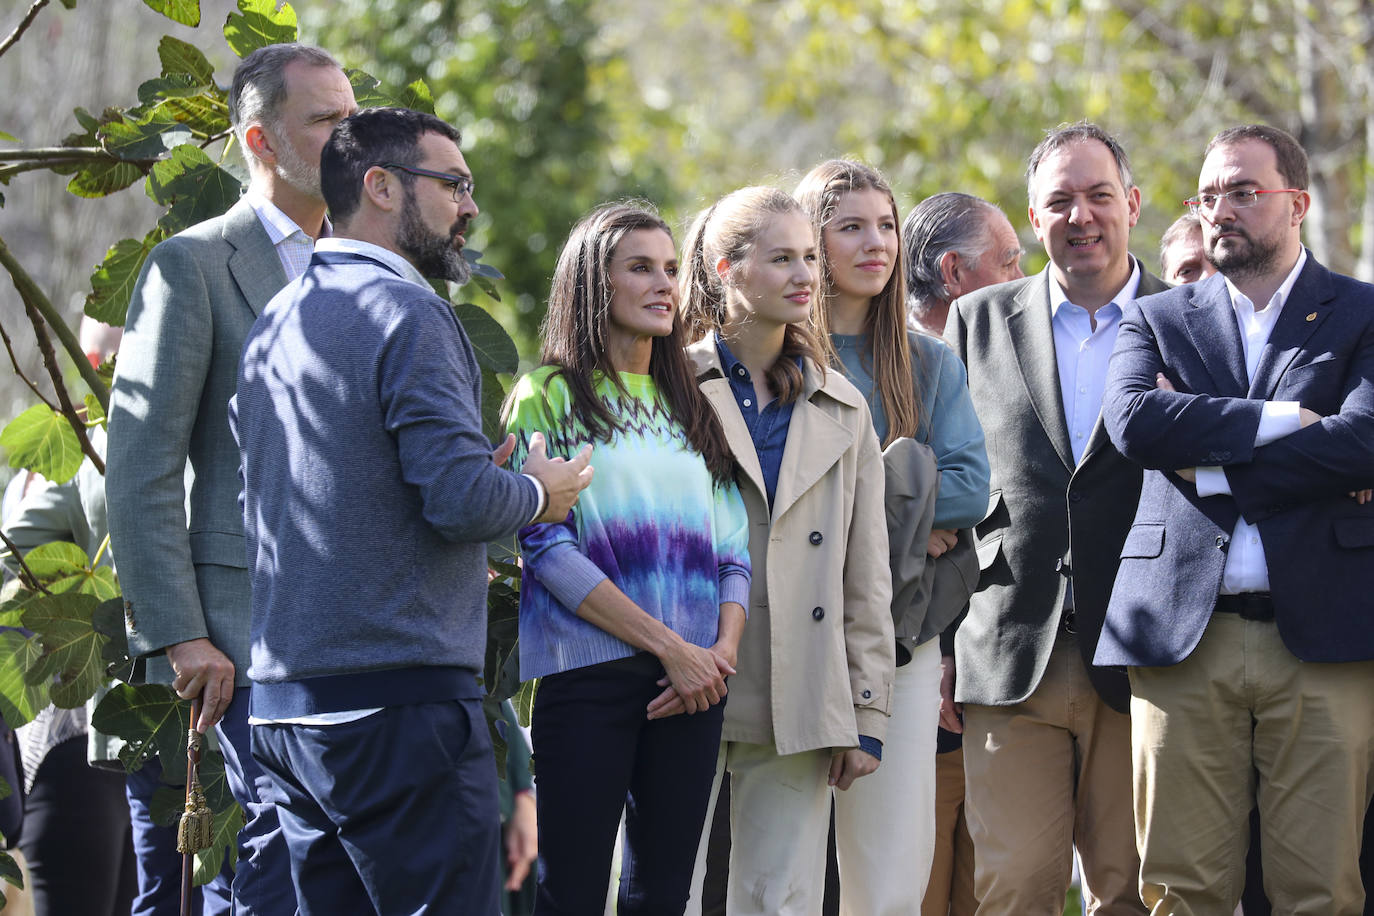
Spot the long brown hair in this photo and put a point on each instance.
(885, 333)
(575, 337)
(729, 229)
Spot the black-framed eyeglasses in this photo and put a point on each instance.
(458, 184)
(1238, 198)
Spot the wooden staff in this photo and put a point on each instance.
(196, 829)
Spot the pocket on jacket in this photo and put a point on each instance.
(1143, 542)
(220, 548)
(995, 519)
(1354, 533)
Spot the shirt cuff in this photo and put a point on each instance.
(1211, 481)
(568, 574)
(1277, 419)
(871, 745)
(734, 587)
(543, 503)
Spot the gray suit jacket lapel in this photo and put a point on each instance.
(1032, 343)
(254, 265)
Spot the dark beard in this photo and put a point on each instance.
(1256, 259)
(433, 255)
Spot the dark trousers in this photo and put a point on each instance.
(262, 877)
(156, 856)
(76, 837)
(596, 753)
(392, 813)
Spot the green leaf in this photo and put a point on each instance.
(8, 137)
(64, 567)
(223, 843)
(187, 12)
(108, 620)
(113, 281)
(491, 708)
(193, 186)
(152, 720)
(42, 440)
(147, 136)
(418, 97)
(479, 269)
(95, 414)
(367, 89)
(493, 395)
(71, 647)
(493, 346)
(524, 701)
(486, 286)
(57, 560)
(100, 179)
(205, 113)
(69, 4)
(19, 702)
(258, 24)
(9, 869)
(175, 85)
(167, 804)
(182, 57)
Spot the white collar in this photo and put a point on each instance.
(1124, 295)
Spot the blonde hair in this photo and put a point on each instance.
(886, 350)
(728, 230)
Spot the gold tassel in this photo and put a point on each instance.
(196, 829)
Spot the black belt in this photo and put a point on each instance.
(1247, 605)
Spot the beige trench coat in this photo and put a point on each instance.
(817, 657)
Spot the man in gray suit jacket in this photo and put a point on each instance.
(186, 590)
(1047, 740)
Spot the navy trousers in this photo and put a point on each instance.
(262, 878)
(596, 753)
(394, 813)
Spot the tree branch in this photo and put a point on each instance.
(9, 171)
(23, 25)
(26, 576)
(55, 373)
(9, 348)
(45, 153)
(33, 297)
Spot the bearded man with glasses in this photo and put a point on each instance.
(1242, 605)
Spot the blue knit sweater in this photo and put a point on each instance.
(369, 490)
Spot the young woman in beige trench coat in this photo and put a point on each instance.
(808, 708)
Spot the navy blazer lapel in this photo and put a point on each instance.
(254, 265)
(1032, 342)
(1309, 303)
(1211, 324)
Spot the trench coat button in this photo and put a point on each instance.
(817, 613)
(817, 537)
(868, 694)
(1075, 497)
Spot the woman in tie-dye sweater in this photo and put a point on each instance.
(634, 605)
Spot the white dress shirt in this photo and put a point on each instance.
(1246, 569)
(293, 244)
(1083, 343)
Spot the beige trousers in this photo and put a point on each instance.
(1045, 776)
(950, 892)
(1241, 703)
(779, 821)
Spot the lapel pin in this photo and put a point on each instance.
(1312, 317)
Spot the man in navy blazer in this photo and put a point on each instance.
(1242, 603)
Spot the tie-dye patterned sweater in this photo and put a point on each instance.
(652, 521)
